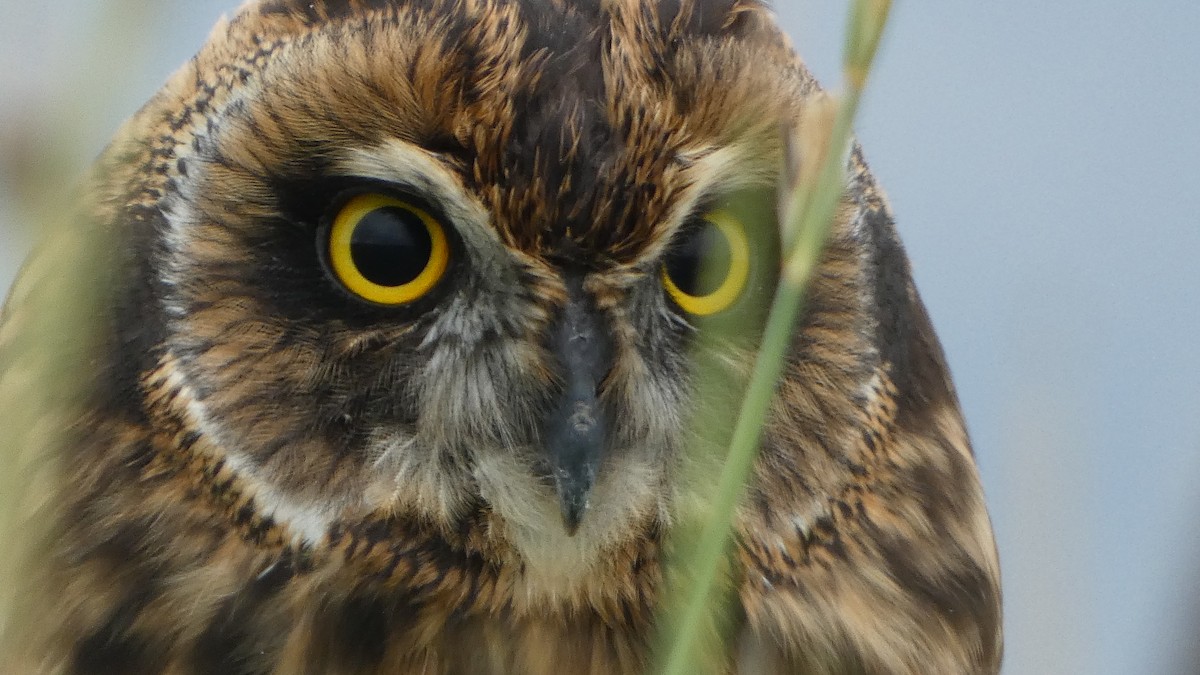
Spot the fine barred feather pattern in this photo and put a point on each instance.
(237, 467)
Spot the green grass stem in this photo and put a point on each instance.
(807, 220)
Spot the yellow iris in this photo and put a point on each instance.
(711, 269)
(386, 250)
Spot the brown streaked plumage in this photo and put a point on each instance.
(258, 472)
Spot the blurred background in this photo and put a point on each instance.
(1043, 160)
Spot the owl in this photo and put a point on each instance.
(394, 336)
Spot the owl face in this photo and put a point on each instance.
(414, 329)
(437, 256)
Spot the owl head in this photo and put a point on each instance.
(435, 257)
(445, 307)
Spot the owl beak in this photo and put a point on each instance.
(575, 430)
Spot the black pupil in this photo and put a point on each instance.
(699, 262)
(391, 246)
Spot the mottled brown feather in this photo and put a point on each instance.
(235, 468)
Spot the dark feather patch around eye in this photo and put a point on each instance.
(286, 263)
(305, 201)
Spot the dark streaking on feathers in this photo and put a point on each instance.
(262, 475)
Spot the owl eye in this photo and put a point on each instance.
(386, 250)
(706, 270)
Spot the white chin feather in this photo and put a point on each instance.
(556, 562)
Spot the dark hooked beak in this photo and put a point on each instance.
(575, 430)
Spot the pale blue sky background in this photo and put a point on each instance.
(1043, 159)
